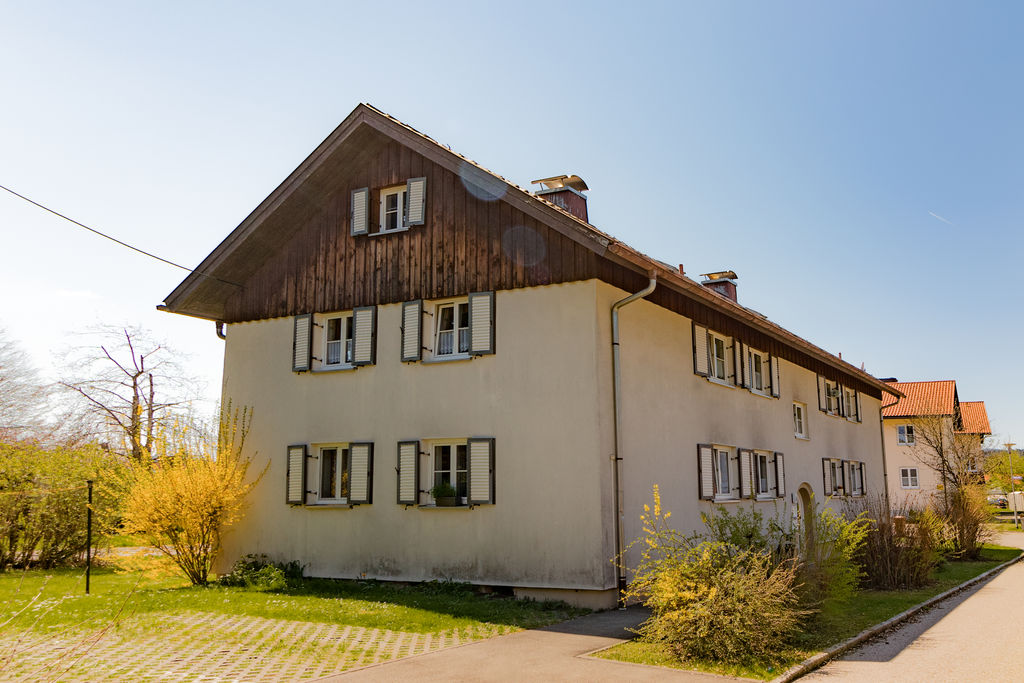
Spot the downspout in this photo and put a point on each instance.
(617, 407)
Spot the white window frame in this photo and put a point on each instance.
(346, 342)
(850, 401)
(909, 478)
(905, 435)
(713, 375)
(402, 209)
(767, 458)
(341, 471)
(838, 477)
(457, 331)
(755, 357)
(800, 423)
(731, 471)
(832, 403)
(856, 480)
(431, 454)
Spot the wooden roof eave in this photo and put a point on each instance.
(641, 263)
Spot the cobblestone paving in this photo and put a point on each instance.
(215, 648)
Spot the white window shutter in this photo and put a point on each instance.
(360, 473)
(773, 373)
(360, 214)
(780, 475)
(481, 323)
(701, 360)
(822, 395)
(706, 471)
(481, 471)
(857, 397)
(745, 472)
(826, 474)
(412, 334)
(295, 477)
(416, 200)
(730, 361)
(743, 373)
(364, 333)
(408, 472)
(302, 342)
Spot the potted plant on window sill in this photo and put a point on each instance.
(444, 495)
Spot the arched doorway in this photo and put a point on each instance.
(806, 515)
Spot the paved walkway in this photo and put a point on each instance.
(547, 654)
(977, 635)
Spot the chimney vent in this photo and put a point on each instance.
(722, 282)
(565, 191)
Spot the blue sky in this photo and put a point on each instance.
(858, 164)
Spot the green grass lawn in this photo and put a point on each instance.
(866, 609)
(58, 601)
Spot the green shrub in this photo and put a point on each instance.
(713, 599)
(257, 572)
(831, 573)
(746, 529)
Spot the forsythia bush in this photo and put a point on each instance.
(713, 599)
(190, 491)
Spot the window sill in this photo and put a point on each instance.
(765, 498)
(335, 368)
(447, 359)
(910, 488)
(329, 506)
(726, 500)
(381, 233)
(431, 506)
(906, 444)
(802, 437)
(720, 382)
(762, 394)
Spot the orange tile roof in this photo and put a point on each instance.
(975, 417)
(923, 398)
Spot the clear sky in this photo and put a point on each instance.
(860, 165)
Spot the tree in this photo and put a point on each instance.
(956, 457)
(194, 490)
(22, 394)
(130, 384)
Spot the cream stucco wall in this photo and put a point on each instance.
(538, 396)
(903, 455)
(668, 410)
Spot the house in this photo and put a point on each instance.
(932, 441)
(399, 317)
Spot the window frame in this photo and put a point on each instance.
(430, 453)
(456, 305)
(731, 472)
(401, 210)
(910, 478)
(850, 404)
(905, 435)
(768, 459)
(800, 430)
(714, 337)
(763, 358)
(856, 478)
(833, 404)
(342, 472)
(347, 341)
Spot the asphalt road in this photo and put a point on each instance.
(977, 635)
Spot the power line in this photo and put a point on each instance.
(114, 239)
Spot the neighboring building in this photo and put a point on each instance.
(398, 316)
(925, 428)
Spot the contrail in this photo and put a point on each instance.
(935, 215)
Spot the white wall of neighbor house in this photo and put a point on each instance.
(668, 410)
(902, 456)
(538, 396)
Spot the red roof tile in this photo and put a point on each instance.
(923, 398)
(975, 417)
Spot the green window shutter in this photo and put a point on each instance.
(780, 475)
(481, 471)
(706, 471)
(412, 333)
(701, 359)
(416, 200)
(302, 343)
(295, 475)
(360, 473)
(773, 374)
(481, 323)
(408, 472)
(360, 212)
(364, 333)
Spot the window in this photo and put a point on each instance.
(725, 473)
(452, 329)
(800, 420)
(905, 434)
(764, 475)
(393, 209)
(450, 467)
(856, 478)
(834, 476)
(333, 486)
(757, 362)
(832, 397)
(850, 402)
(908, 478)
(338, 341)
(717, 348)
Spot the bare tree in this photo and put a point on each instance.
(130, 384)
(22, 394)
(956, 457)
